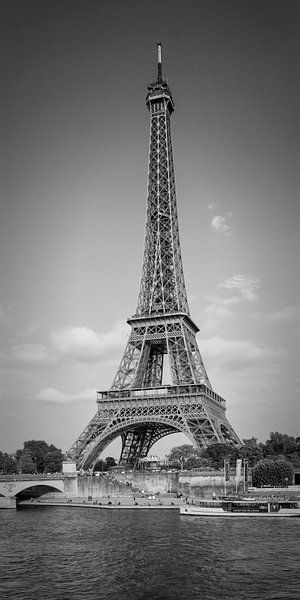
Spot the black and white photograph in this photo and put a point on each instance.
(149, 300)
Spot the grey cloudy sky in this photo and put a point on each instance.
(74, 165)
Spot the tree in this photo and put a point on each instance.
(8, 464)
(18, 454)
(272, 472)
(217, 453)
(53, 461)
(26, 463)
(186, 457)
(99, 466)
(180, 454)
(105, 465)
(251, 451)
(109, 463)
(38, 450)
(1, 462)
(281, 444)
(44, 457)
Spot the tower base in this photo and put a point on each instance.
(142, 416)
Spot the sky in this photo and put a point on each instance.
(74, 154)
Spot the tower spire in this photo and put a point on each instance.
(159, 63)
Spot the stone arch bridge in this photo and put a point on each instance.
(13, 487)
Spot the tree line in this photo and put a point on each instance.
(278, 445)
(36, 456)
(271, 463)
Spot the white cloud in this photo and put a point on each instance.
(285, 314)
(237, 352)
(29, 330)
(85, 344)
(212, 205)
(244, 284)
(193, 297)
(222, 225)
(215, 312)
(31, 353)
(222, 303)
(2, 314)
(53, 396)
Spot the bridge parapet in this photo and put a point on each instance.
(32, 477)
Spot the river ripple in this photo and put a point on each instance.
(54, 553)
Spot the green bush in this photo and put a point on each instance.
(272, 472)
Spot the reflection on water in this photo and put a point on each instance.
(56, 553)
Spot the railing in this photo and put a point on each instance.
(31, 476)
(164, 390)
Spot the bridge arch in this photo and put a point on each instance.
(36, 491)
(30, 487)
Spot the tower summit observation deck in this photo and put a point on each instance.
(138, 407)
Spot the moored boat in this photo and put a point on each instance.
(242, 508)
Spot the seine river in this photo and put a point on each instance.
(54, 553)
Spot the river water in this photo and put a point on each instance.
(57, 553)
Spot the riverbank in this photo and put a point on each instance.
(108, 502)
(101, 506)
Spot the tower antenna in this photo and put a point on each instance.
(159, 65)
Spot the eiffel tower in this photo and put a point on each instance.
(138, 407)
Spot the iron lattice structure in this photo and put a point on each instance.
(138, 407)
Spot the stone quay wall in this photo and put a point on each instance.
(127, 483)
(198, 484)
(105, 485)
(202, 484)
(160, 481)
